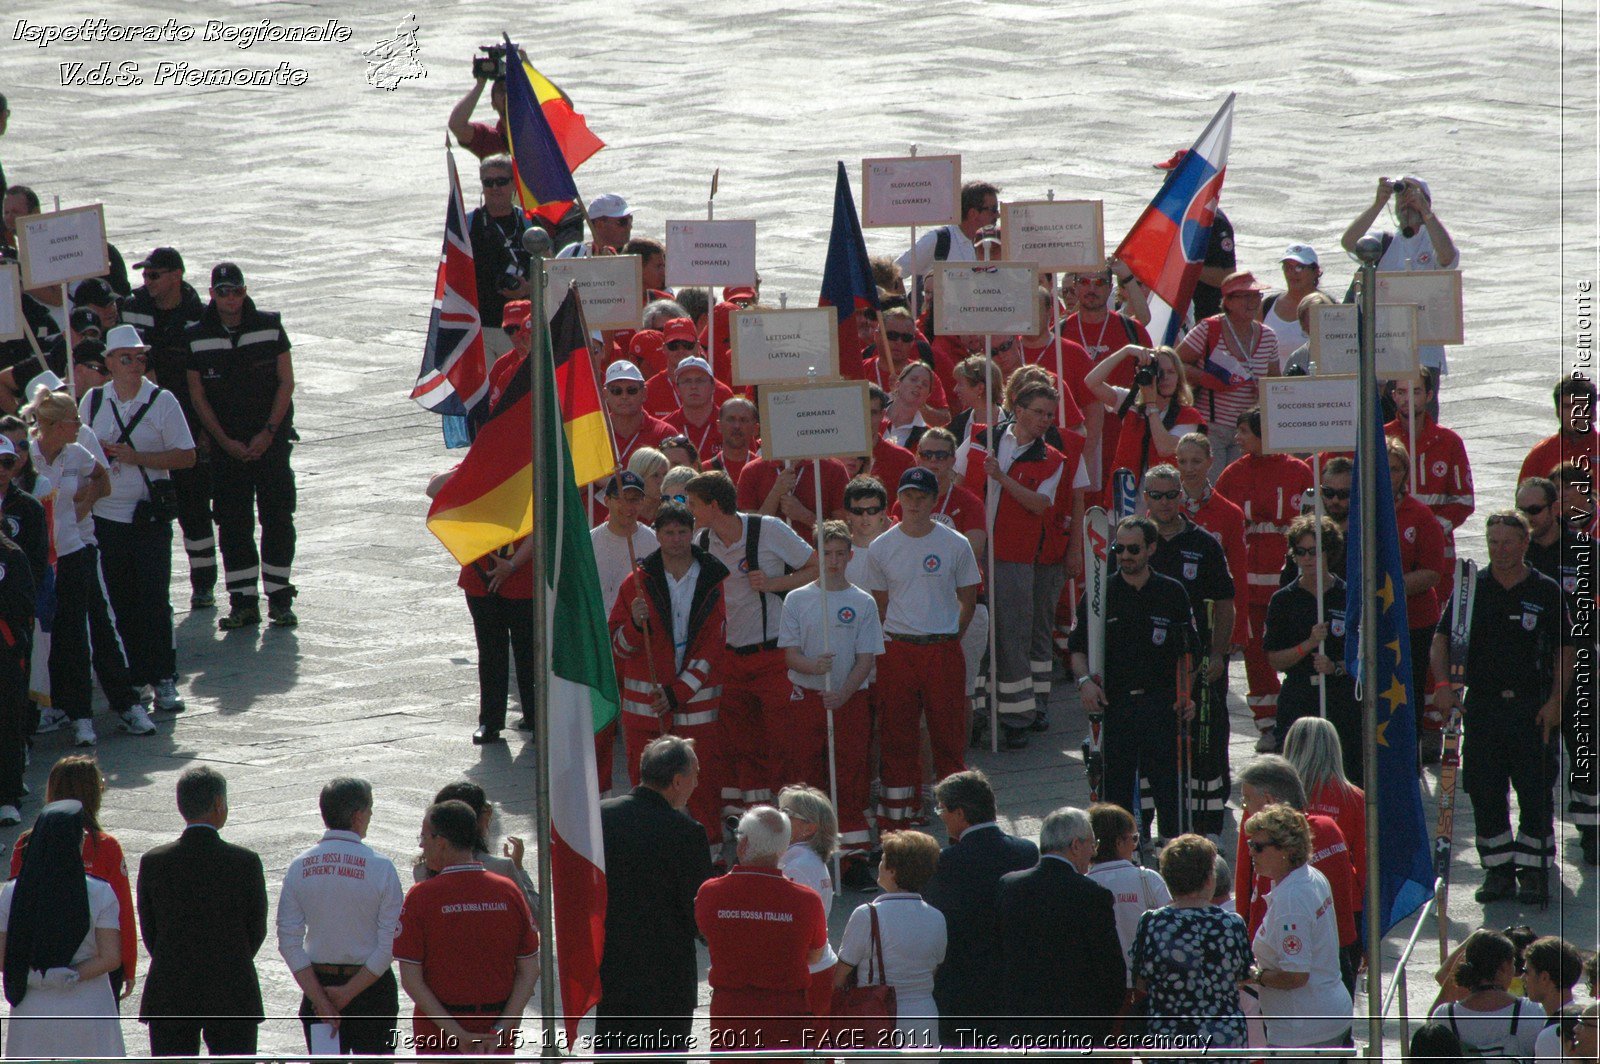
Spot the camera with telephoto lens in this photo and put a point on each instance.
(491, 65)
(1397, 187)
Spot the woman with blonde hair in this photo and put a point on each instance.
(813, 838)
(651, 465)
(1153, 412)
(83, 622)
(1313, 748)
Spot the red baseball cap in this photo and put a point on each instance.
(741, 294)
(679, 329)
(515, 315)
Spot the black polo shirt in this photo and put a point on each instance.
(1290, 617)
(1147, 630)
(1515, 633)
(1570, 561)
(1195, 559)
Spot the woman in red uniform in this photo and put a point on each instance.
(1152, 414)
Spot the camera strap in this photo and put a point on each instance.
(126, 429)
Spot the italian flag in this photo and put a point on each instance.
(582, 699)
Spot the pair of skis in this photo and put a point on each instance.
(1096, 571)
(1460, 613)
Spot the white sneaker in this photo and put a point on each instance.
(51, 718)
(9, 815)
(168, 700)
(136, 721)
(83, 732)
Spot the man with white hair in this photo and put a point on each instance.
(1061, 958)
(763, 932)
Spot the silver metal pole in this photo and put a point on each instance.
(1369, 250)
(536, 242)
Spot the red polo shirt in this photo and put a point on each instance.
(760, 929)
(467, 927)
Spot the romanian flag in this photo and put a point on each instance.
(847, 283)
(544, 176)
(566, 124)
(578, 393)
(1405, 860)
(488, 503)
(1166, 248)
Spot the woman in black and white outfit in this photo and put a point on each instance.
(144, 434)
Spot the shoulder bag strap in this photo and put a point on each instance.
(127, 430)
(877, 950)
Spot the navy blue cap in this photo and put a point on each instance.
(627, 480)
(919, 479)
(226, 273)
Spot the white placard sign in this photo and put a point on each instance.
(611, 287)
(1059, 235)
(827, 420)
(1336, 341)
(777, 346)
(12, 323)
(62, 246)
(1437, 294)
(911, 190)
(711, 253)
(993, 298)
(1301, 415)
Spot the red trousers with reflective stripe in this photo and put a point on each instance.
(806, 751)
(705, 804)
(916, 680)
(1261, 677)
(755, 691)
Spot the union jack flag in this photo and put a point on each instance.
(453, 377)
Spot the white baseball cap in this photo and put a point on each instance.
(1304, 254)
(609, 205)
(623, 370)
(692, 362)
(6, 446)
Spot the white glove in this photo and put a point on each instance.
(60, 978)
(35, 979)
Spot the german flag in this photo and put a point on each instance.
(578, 393)
(543, 176)
(489, 501)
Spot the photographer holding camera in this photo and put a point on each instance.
(481, 138)
(1155, 413)
(495, 230)
(1422, 242)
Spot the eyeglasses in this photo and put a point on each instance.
(1133, 549)
(624, 389)
(1303, 552)
(1151, 493)
(130, 359)
(226, 291)
(152, 272)
(936, 456)
(1335, 493)
(899, 337)
(682, 345)
(1257, 847)
(865, 511)
(496, 182)
(9, 461)
(1535, 510)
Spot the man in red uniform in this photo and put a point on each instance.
(467, 947)
(1575, 435)
(1098, 331)
(1269, 488)
(631, 427)
(1424, 567)
(786, 490)
(763, 932)
(696, 417)
(668, 629)
(737, 429)
(889, 459)
(661, 395)
(1444, 476)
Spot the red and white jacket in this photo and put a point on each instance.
(1269, 489)
(1444, 476)
(1019, 536)
(691, 696)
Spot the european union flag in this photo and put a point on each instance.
(847, 283)
(1405, 861)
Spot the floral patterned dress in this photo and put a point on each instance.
(1192, 960)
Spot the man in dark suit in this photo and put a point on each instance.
(967, 985)
(203, 915)
(656, 858)
(1062, 960)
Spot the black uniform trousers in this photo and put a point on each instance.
(1501, 747)
(193, 488)
(1421, 648)
(181, 1038)
(16, 723)
(83, 620)
(1578, 722)
(1140, 739)
(503, 627)
(136, 561)
(367, 1024)
(1210, 777)
(244, 491)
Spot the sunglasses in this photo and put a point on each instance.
(936, 456)
(151, 273)
(677, 441)
(1093, 282)
(1335, 493)
(1257, 847)
(94, 367)
(1001, 349)
(899, 337)
(684, 499)
(1133, 549)
(1151, 493)
(620, 389)
(1534, 511)
(865, 511)
(128, 360)
(682, 345)
(496, 182)
(1303, 552)
(224, 291)
(9, 461)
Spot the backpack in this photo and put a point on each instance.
(1500, 1049)
(752, 552)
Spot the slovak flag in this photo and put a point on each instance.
(1166, 247)
(454, 376)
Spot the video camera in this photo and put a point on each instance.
(491, 64)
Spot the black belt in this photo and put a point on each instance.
(347, 971)
(755, 648)
(921, 640)
(493, 1008)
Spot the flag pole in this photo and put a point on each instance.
(1316, 488)
(536, 242)
(711, 290)
(989, 512)
(1368, 251)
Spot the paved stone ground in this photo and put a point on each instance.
(329, 195)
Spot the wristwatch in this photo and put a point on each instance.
(1083, 680)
